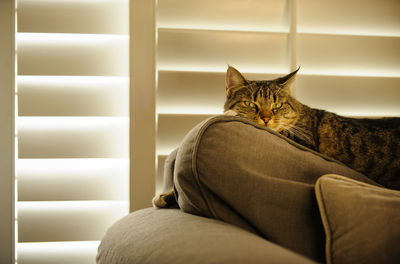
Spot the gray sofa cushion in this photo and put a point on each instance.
(153, 236)
(361, 221)
(231, 169)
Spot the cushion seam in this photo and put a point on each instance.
(194, 166)
(325, 221)
(360, 184)
(218, 119)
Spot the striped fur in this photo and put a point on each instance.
(370, 146)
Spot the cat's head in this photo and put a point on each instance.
(265, 102)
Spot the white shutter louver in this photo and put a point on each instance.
(348, 51)
(350, 56)
(73, 126)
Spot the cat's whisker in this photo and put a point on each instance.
(300, 132)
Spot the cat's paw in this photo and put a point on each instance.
(230, 113)
(159, 202)
(165, 200)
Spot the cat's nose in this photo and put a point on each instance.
(265, 116)
(263, 120)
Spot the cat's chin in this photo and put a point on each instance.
(230, 113)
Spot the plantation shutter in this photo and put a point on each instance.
(350, 56)
(73, 92)
(197, 40)
(72, 126)
(349, 52)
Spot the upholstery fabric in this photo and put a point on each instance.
(169, 167)
(164, 236)
(231, 169)
(361, 221)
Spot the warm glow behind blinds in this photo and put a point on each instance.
(72, 126)
(73, 92)
(349, 52)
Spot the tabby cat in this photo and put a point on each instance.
(369, 146)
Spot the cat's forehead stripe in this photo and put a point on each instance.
(258, 94)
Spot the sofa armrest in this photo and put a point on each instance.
(231, 169)
(171, 236)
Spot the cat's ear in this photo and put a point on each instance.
(287, 79)
(233, 79)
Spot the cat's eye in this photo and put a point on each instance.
(276, 105)
(250, 104)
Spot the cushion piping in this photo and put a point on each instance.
(325, 221)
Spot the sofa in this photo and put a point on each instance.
(246, 194)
